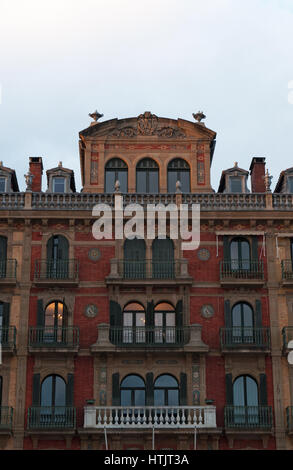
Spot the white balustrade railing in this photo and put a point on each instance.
(150, 416)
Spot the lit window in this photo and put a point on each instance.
(59, 185)
(235, 184)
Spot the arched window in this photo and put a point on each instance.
(134, 323)
(53, 401)
(242, 323)
(134, 259)
(240, 254)
(165, 323)
(57, 257)
(116, 170)
(132, 391)
(245, 400)
(3, 256)
(178, 170)
(163, 258)
(147, 176)
(55, 322)
(166, 391)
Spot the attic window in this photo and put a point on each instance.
(59, 185)
(235, 184)
(2, 184)
(290, 184)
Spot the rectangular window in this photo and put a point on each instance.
(235, 184)
(2, 185)
(290, 184)
(59, 185)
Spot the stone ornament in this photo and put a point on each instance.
(203, 254)
(147, 125)
(94, 254)
(207, 311)
(91, 311)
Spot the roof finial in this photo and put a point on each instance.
(60, 165)
(96, 115)
(236, 164)
(268, 181)
(199, 116)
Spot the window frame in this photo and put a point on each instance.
(55, 180)
(116, 170)
(147, 169)
(178, 172)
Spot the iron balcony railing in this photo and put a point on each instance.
(150, 416)
(241, 269)
(56, 269)
(8, 337)
(289, 416)
(51, 417)
(248, 417)
(287, 269)
(50, 337)
(6, 416)
(156, 337)
(8, 269)
(287, 334)
(147, 269)
(245, 337)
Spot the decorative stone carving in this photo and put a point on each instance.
(199, 116)
(203, 254)
(147, 125)
(95, 115)
(94, 254)
(91, 311)
(207, 311)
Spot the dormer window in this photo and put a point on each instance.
(2, 184)
(59, 185)
(290, 184)
(235, 184)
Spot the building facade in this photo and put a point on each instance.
(136, 343)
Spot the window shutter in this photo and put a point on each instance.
(150, 317)
(263, 396)
(179, 321)
(36, 398)
(183, 389)
(226, 248)
(6, 315)
(0, 391)
(254, 248)
(116, 322)
(50, 248)
(3, 248)
(229, 389)
(149, 389)
(70, 390)
(115, 389)
(227, 314)
(258, 314)
(40, 313)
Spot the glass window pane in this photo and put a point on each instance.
(110, 181)
(58, 185)
(46, 392)
(60, 392)
(159, 398)
(173, 397)
(236, 315)
(127, 319)
(235, 184)
(122, 177)
(170, 319)
(290, 184)
(132, 381)
(1, 314)
(153, 182)
(185, 181)
(139, 398)
(140, 319)
(251, 391)
(166, 381)
(172, 178)
(238, 392)
(158, 319)
(2, 185)
(141, 182)
(126, 397)
(234, 250)
(247, 315)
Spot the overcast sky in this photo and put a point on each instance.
(61, 59)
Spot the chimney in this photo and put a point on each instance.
(36, 168)
(257, 173)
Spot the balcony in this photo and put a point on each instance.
(58, 339)
(161, 417)
(8, 339)
(148, 271)
(8, 271)
(6, 415)
(187, 338)
(51, 418)
(246, 339)
(56, 272)
(287, 335)
(289, 416)
(248, 418)
(244, 272)
(287, 272)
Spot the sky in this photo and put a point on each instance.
(62, 59)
